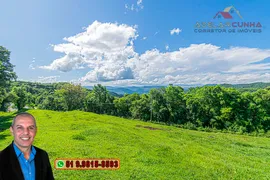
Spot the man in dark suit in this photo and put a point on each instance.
(21, 160)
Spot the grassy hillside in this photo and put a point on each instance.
(145, 150)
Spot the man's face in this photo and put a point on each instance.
(24, 131)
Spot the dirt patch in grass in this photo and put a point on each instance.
(148, 127)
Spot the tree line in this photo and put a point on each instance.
(206, 107)
(216, 107)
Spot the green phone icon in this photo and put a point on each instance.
(60, 164)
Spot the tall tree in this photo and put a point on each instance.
(140, 108)
(20, 97)
(262, 100)
(6, 75)
(176, 104)
(159, 109)
(6, 68)
(73, 96)
(124, 103)
(100, 101)
(103, 97)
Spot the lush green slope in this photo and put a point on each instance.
(160, 152)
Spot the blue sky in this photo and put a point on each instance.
(135, 42)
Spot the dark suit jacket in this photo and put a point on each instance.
(10, 168)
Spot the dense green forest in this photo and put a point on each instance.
(214, 107)
(208, 107)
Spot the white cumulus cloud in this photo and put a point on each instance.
(107, 51)
(200, 63)
(104, 48)
(175, 31)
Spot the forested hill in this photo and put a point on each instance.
(247, 87)
(145, 89)
(120, 91)
(128, 89)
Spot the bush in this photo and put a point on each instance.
(190, 126)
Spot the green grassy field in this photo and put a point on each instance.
(145, 150)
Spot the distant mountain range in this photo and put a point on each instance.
(116, 90)
(128, 89)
